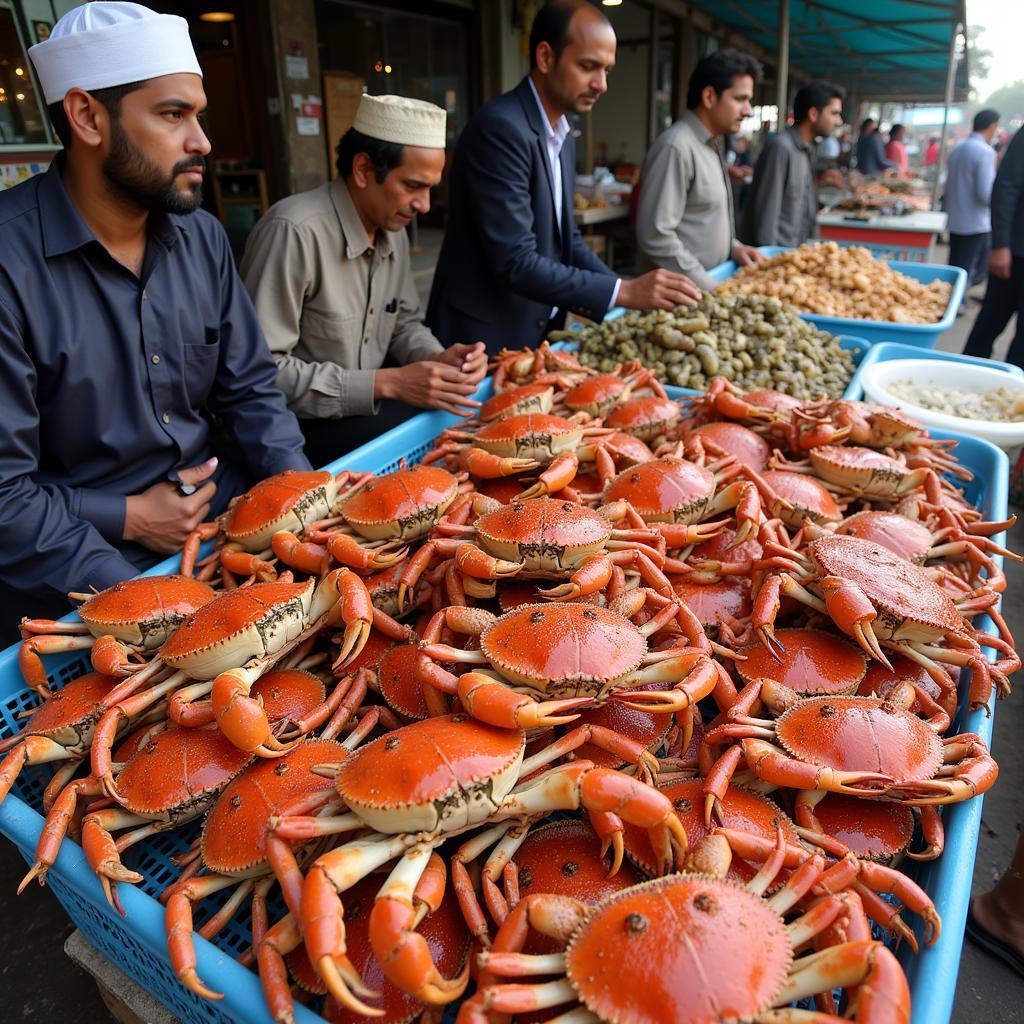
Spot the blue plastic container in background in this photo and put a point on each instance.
(921, 335)
(886, 351)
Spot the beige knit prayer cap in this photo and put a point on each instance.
(401, 120)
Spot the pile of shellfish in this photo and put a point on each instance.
(547, 723)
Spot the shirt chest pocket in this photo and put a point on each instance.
(331, 337)
(201, 367)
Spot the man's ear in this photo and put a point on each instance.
(88, 119)
(708, 97)
(362, 170)
(545, 58)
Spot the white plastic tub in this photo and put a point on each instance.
(877, 378)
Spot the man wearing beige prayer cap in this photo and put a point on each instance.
(328, 271)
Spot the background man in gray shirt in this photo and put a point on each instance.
(970, 174)
(1005, 293)
(783, 205)
(685, 216)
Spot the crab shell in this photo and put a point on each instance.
(872, 829)
(436, 775)
(404, 505)
(239, 625)
(809, 499)
(742, 809)
(646, 418)
(288, 501)
(563, 858)
(234, 837)
(724, 601)
(911, 606)
(813, 662)
(564, 650)
(446, 936)
(549, 536)
(398, 683)
(516, 401)
(288, 693)
(665, 490)
(749, 448)
(69, 716)
(908, 538)
(535, 436)
(860, 734)
(769, 398)
(179, 772)
(861, 469)
(597, 395)
(144, 612)
(645, 954)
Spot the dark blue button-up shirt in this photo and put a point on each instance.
(104, 378)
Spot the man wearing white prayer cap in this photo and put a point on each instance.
(329, 273)
(123, 325)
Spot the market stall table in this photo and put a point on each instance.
(909, 237)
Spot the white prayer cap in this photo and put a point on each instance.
(402, 120)
(102, 44)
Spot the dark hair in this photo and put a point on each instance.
(895, 132)
(551, 25)
(984, 119)
(110, 98)
(866, 123)
(385, 156)
(814, 95)
(719, 70)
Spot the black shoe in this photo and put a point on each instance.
(988, 942)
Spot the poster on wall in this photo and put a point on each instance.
(15, 174)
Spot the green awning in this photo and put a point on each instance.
(896, 49)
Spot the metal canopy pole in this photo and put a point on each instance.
(950, 82)
(782, 68)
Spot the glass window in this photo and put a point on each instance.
(22, 117)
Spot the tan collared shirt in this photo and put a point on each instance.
(684, 219)
(332, 304)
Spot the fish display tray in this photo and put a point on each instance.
(136, 942)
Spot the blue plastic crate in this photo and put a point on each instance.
(920, 335)
(886, 351)
(137, 945)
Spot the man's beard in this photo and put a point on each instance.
(139, 181)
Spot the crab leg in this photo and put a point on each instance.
(31, 750)
(883, 995)
(178, 919)
(771, 763)
(401, 951)
(486, 466)
(560, 473)
(852, 611)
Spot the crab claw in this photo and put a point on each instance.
(560, 473)
(852, 611)
(490, 467)
(490, 701)
(241, 718)
(346, 549)
(354, 608)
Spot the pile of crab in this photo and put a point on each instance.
(549, 722)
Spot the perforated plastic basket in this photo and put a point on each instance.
(136, 943)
